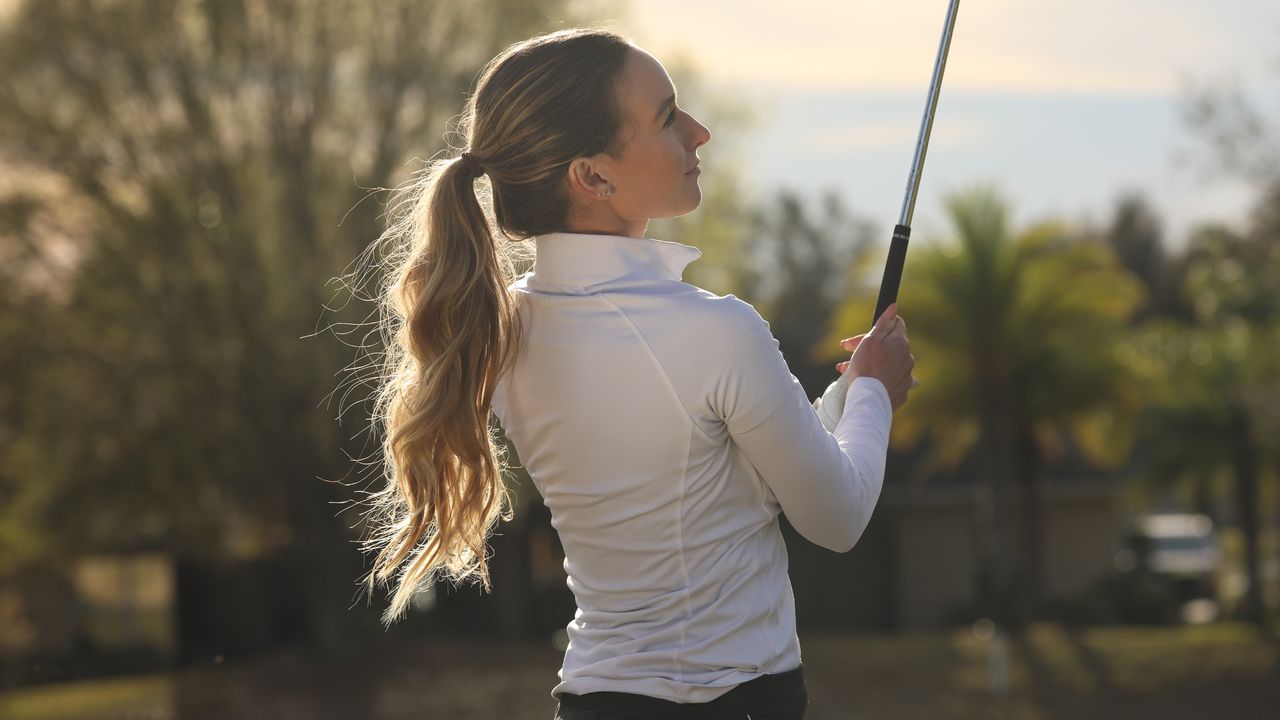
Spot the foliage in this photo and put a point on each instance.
(810, 259)
(219, 153)
(1038, 311)
(1216, 409)
(1136, 236)
(1240, 139)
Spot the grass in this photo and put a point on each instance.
(1054, 672)
(1223, 670)
(128, 697)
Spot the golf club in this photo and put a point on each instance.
(831, 405)
(902, 231)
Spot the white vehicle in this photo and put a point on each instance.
(1182, 547)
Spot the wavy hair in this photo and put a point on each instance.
(448, 317)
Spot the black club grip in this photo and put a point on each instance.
(892, 270)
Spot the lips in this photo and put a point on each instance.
(695, 167)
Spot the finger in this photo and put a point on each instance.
(899, 342)
(853, 342)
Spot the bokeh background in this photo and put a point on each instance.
(1080, 515)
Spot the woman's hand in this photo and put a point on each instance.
(884, 354)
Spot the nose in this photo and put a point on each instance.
(700, 135)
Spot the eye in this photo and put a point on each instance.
(671, 117)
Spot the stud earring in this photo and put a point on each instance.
(606, 193)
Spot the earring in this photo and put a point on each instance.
(606, 193)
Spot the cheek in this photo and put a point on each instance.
(667, 158)
(673, 162)
(679, 156)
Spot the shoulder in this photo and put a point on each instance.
(734, 312)
(722, 321)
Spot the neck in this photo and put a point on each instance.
(605, 223)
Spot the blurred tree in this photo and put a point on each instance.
(220, 151)
(809, 260)
(29, 344)
(1016, 335)
(1240, 139)
(1219, 394)
(1137, 239)
(29, 336)
(1232, 280)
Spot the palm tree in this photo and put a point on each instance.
(1017, 337)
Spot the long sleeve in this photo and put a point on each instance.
(830, 404)
(826, 482)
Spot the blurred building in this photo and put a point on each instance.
(918, 564)
(101, 614)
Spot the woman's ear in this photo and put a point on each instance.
(585, 179)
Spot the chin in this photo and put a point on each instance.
(695, 202)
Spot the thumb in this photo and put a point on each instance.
(885, 323)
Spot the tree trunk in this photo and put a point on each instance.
(995, 520)
(1246, 492)
(1030, 591)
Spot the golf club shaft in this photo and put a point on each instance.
(902, 231)
(831, 404)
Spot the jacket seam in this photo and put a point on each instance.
(684, 480)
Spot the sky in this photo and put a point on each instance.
(1062, 105)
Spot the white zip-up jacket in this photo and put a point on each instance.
(665, 433)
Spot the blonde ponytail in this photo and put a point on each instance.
(456, 332)
(451, 322)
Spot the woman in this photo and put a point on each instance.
(658, 420)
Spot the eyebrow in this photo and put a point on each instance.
(665, 104)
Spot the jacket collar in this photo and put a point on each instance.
(582, 260)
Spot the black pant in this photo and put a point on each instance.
(781, 696)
